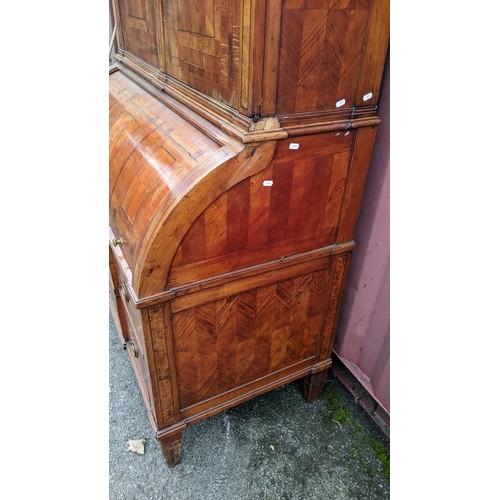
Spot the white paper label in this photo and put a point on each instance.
(267, 183)
(293, 145)
(367, 96)
(340, 103)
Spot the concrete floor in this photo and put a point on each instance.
(275, 446)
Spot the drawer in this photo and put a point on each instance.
(131, 323)
(115, 304)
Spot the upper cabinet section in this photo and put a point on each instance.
(242, 60)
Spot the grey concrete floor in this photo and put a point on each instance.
(275, 446)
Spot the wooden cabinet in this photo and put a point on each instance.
(240, 138)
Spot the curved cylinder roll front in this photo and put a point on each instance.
(163, 173)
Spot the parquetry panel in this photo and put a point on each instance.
(227, 343)
(320, 53)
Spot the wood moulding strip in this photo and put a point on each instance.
(208, 127)
(227, 289)
(296, 119)
(239, 274)
(204, 409)
(233, 123)
(215, 111)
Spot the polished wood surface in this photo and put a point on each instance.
(156, 159)
(252, 222)
(138, 29)
(275, 57)
(320, 53)
(203, 38)
(116, 305)
(229, 342)
(240, 140)
(145, 135)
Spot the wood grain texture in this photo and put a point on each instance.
(251, 222)
(227, 343)
(377, 42)
(133, 322)
(162, 374)
(171, 447)
(160, 39)
(274, 266)
(170, 225)
(203, 46)
(321, 50)
(257, 46)
(156, 158)
(312, 385)
(116, 304)
(146, 136)
(271, 57)
(358, 171)
(237, 228)
(138, 29)
(195, 297)
(340, 267)
(259, 58)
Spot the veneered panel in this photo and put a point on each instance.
(203, 46)
(138, 22)
(321, 49)
(196, 16)
(229, 342)
(292, 206)
(153, 151)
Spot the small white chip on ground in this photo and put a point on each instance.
(136, 445)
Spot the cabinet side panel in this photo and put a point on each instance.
(375, 54)
(227, 343)
(292, 206)
(340, 268)
(358, 171)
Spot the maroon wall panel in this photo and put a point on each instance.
(362, 340)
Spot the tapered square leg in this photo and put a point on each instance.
(312, 385)
(171, 448)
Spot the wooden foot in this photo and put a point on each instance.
(172, 447)
(312, 385)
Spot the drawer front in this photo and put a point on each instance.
(133, 324)
(115, 304)
(133, 318)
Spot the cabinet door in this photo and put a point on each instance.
(137, 20)
(115, 303)
(321, 49)
(202, 40)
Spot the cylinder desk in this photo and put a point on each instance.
(240, 138)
